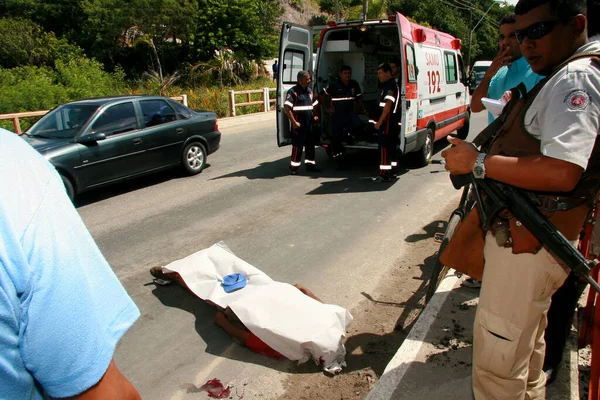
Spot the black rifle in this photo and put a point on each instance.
(500, 196)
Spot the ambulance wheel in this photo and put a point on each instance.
(424, 154)
(193, 158)
(463, 132)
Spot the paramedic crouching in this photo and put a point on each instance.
(342, 95)
(386, 125)
(299, 104)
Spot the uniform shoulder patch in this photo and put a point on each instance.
(577, 100)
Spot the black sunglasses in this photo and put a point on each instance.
(536, 31)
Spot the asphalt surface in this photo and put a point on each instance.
(336, 232)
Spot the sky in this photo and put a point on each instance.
(513, 2)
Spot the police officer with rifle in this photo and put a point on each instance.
(543, 143)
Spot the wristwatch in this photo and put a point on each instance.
(479, 167)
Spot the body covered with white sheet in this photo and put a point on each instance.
(295, 325)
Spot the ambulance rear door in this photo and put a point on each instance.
(407, 84)
(295, 54)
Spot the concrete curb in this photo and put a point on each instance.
(408, 374)
(394, 372)
(230, 122)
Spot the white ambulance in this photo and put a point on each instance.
(434, 97)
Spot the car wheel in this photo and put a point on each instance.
(68, 187)
(194, 158)
(424, 154)
(463, 132)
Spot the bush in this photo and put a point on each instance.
(32, 88)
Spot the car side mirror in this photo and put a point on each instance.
(91, 138)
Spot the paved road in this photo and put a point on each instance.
(336, 232)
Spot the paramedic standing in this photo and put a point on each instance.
(508, 69)
(342, 95)
(386, 125)
(550, 148)
(299, 104)
(395, 65)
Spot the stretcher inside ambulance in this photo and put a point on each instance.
(433, 94)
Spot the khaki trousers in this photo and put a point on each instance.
(508, 334)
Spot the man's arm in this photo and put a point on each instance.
(386, 110)
(537, 172)
(290, 115)
(501, 59)
(287, 106)
(112, 386)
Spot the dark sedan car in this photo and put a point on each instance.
(97, 142)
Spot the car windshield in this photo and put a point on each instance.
(63, 122)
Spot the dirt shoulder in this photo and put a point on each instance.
(381, 323)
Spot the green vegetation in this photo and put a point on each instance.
(457, 17)
(55, 51)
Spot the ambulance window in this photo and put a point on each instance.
(410, 63)
(451, 75)
(293, 62)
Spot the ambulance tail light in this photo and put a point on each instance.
(456, 44)
(331, 23)
(216, 124)
(392, 18)
(419, 35)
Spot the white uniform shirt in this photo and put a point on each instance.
(565, 115)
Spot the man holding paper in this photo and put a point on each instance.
(508, 69)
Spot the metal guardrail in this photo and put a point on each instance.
(265, 101)
(16, 116)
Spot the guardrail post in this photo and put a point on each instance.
(17, 125)
(184, 99)
(265, 97)
(232, 103)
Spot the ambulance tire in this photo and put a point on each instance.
(424, 154)
(463, 132)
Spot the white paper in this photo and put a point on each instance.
(493, 106)
(295, 325)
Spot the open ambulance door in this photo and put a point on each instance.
(407, 84)
(295, 54)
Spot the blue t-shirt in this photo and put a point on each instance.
(509, 77)
(62, 309)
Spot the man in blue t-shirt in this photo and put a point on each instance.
(62, 309)
(507, 71)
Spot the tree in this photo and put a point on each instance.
(25, 43)
(247, 26)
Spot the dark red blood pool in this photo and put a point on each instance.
(216, 390)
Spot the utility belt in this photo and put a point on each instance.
(464, 252)
(566, 213)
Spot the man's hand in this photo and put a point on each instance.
(295, 124)
(316, 117)
(378, 125)
(503, 58)
(506, 97)
(460, 158)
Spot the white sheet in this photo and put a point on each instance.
(290, 322)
